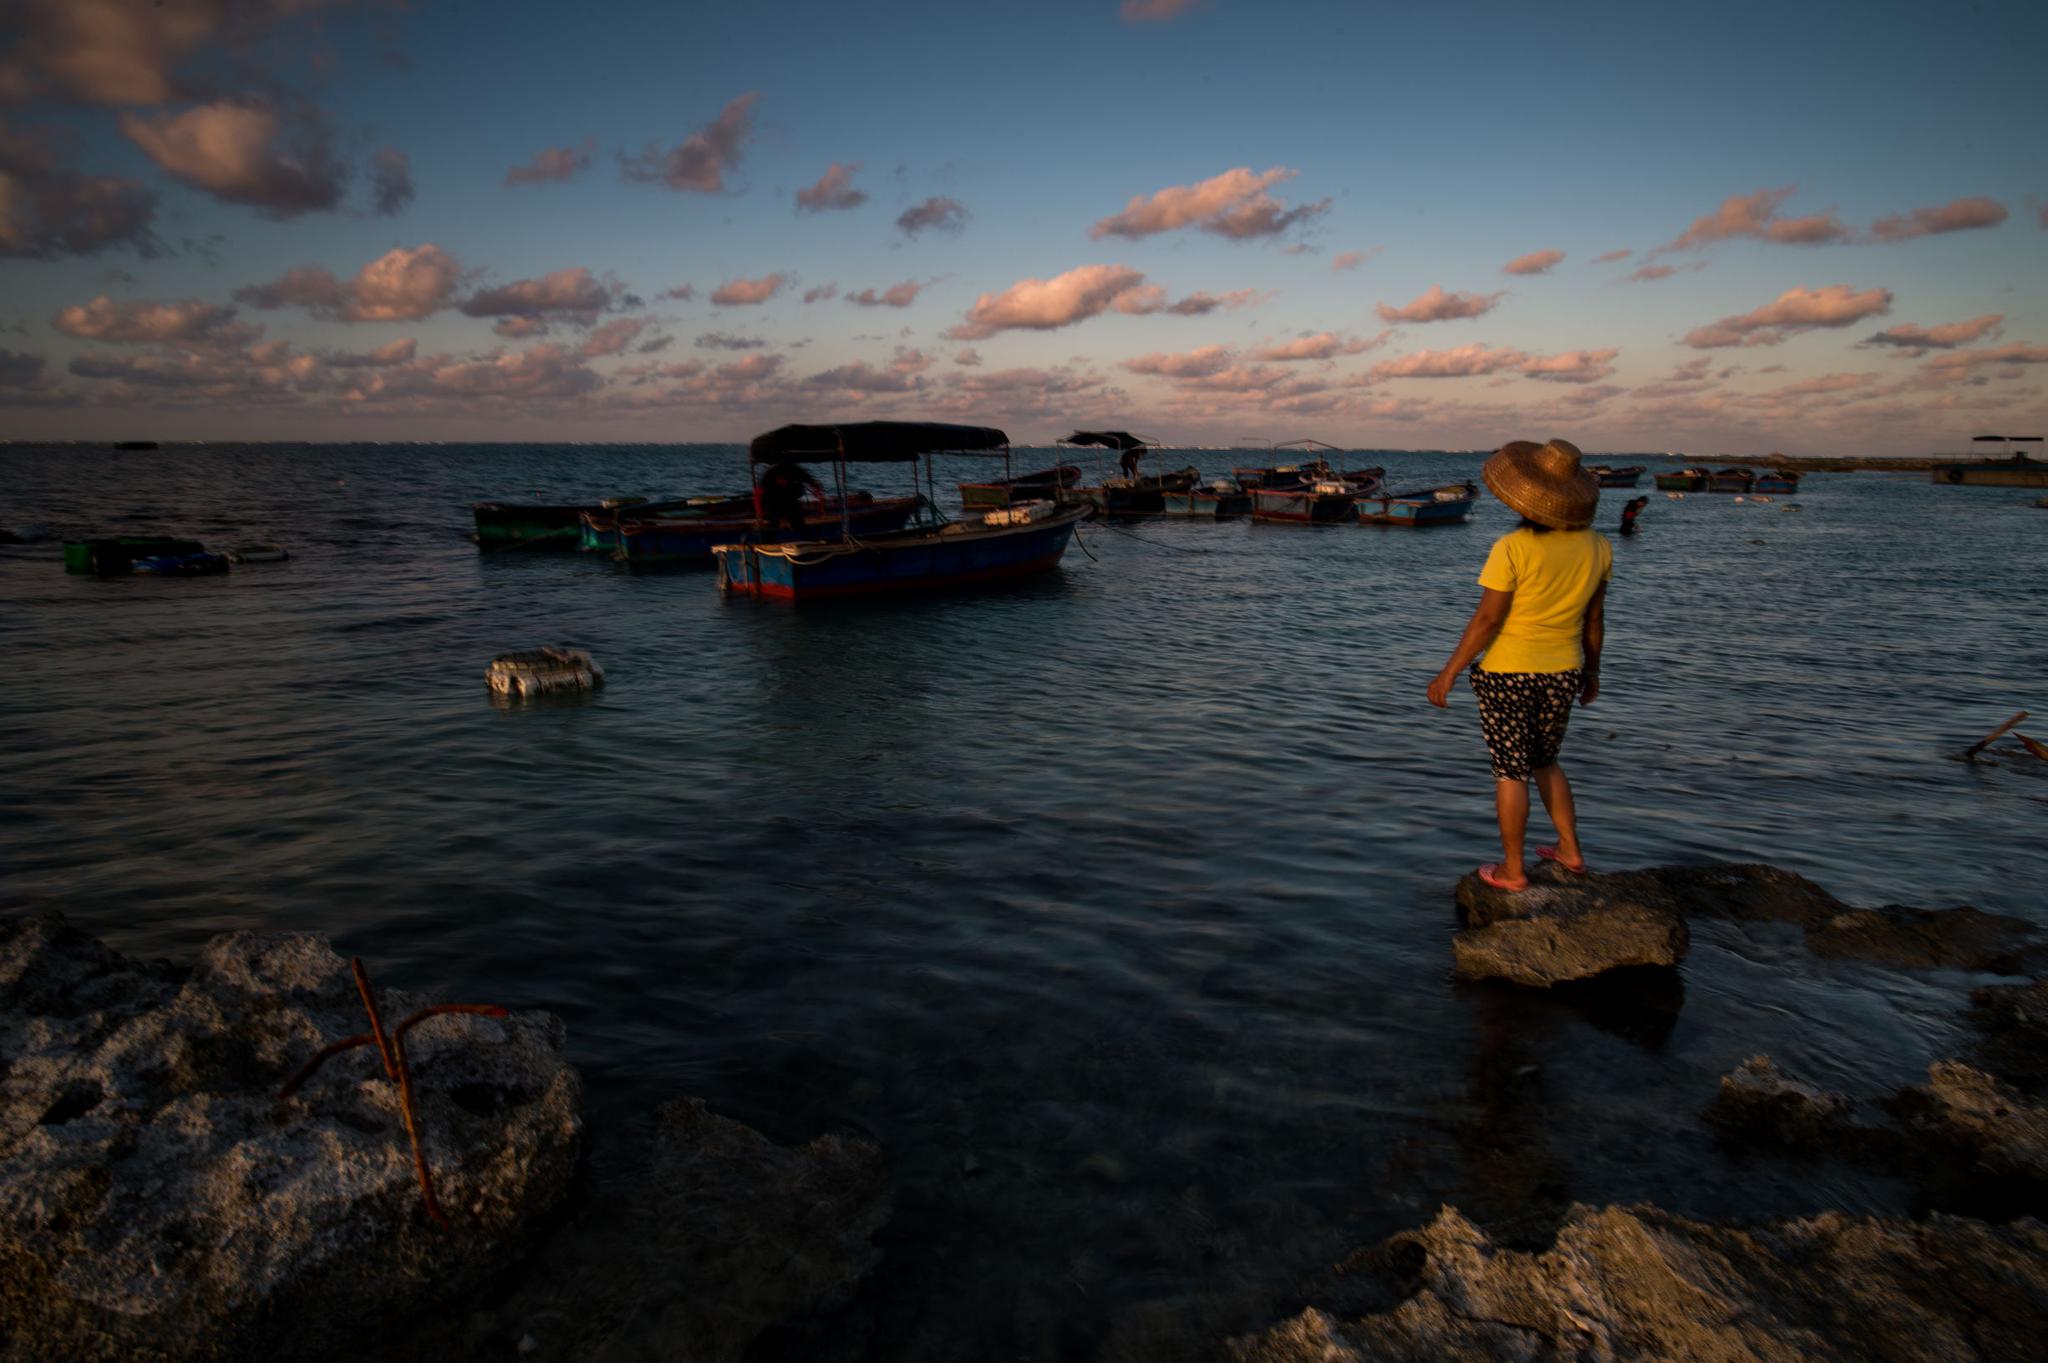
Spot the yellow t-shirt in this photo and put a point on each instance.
(1553, 575)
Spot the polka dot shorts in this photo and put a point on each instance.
(1523, 715)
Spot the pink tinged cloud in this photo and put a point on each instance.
(682, 293)
(1203, 362)
(399, 286)
(1756, 215)
(1237, 205)
(1573, 366)
(1536, 262)
(1046, 304)
(551, 165)
(121, 52)
(1324, 345)
(48, 210)
(938, 213)
(614, 337)
(834, 190)
(142, 323)
(1643, 274)
(736, 293)
(823, 293)
(1155, 11)
(1792, 312)
(245, 153)
(861, 377)
(1201, 303)
(1962, 215)
(752, 369)
(573, 294)
(20, 370)
(1461, 362)
(1351, 260)
(968, 357)
(543, 371)
(1609, 257)
(1964, 361)
(895, 296)
(703, 158)
(1435, 305)
(519, 328)
(1917, 340)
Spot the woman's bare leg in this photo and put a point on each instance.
(1557, 801)
(1511, 803)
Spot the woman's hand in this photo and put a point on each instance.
(1440, 689)
(1589, 686)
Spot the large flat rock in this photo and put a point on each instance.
(157, 1201)
(1562, 929)
(1637, 1283)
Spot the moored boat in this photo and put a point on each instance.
(2017, 471)
(1141, 496)
(1779, 480)
(1217, 499)
(1015, 542)
(1324, 502)
(600, 525)
(1685, 480)
(691, 539)
(1444, 505)
(1038, 486)
(117, 555)
(1611, 476)
(1731, 480)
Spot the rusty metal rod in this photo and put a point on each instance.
(325, 1053)
(384, 1047)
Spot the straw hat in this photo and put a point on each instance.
(1544, 483)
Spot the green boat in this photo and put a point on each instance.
(116, 555)
(1685, 480)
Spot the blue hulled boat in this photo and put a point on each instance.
(691, 539)
(1014, 542)
(1445, 505)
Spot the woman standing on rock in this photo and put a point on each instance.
(1540, 623)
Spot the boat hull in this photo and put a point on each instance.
(1208, 504)
(643, 543)
(913, 562)
(1620, 478)
(501, 525)
(1777, 485)
(1681, 482)
(1413, 511)
(1730, 482)
(1303, 507)
(2007, 473)
(1031, 487)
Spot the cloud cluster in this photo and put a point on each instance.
(1756, 215)
(19, 370)
(725, 340)
(391, 187)
(49, 210)
(895, 296)
(1609, 257)
(573, 295)
(1351, 260)
(834, 190)
(143, 323)
(1477, 359)
(1914, 341)
(248, 152)
(1046, 304)
(399, 286)
(1435, 305)
(735, 293)
(1238, 205)
(1536, 262)
(551, 165)
(1201, 303)
(700, 162)
(1960, 216)
(1792, 312)
(1323, 345)
(938, 213)
(123, 52)
(614, 337)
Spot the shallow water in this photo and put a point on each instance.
(1116, 905)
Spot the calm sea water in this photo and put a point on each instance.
(1115, 906)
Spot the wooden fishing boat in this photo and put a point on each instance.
(1141, 496)
(600, 526)
(2017, 471)
(1324, 502)
(999, 545)
(1611, 476)
(1445, 505)
(692, 539)
(1780, 480)
(1041, 485)
(1685, 480)
(1731, 480)
(1218, 499)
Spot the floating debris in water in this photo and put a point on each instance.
(543, 671)
(259, 553)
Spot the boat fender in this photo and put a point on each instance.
(1955, 475)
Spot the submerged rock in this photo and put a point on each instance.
(1569, 927)
(1761, 1104)
(1640, 1283)
(1963, 1113)
(1562, 928)
(156, 1199)
(2012, 1022)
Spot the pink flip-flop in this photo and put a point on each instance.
(1486, 873)
(1550, 854)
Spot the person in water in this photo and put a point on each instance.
(1629, 513)
(783, 485)
(1541, 622)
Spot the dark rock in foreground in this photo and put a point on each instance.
(156, 1201)
(2012, 1020)
(1566, 927)
(1965, 1115)
(1761, 1104)
(1639, 1283)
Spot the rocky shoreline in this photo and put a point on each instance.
(159, 1200)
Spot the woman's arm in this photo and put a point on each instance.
(1479, 631)
(1592, 635)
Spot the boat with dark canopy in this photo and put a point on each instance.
(1140, 496)
(1012, 542)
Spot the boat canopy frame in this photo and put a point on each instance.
(874, 442)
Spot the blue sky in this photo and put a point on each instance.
(1252, 148)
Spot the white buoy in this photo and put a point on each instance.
(543, 671)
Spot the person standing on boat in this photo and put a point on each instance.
(782, 486)
(1541, 622)
(1129, 462)
(1629, 513)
